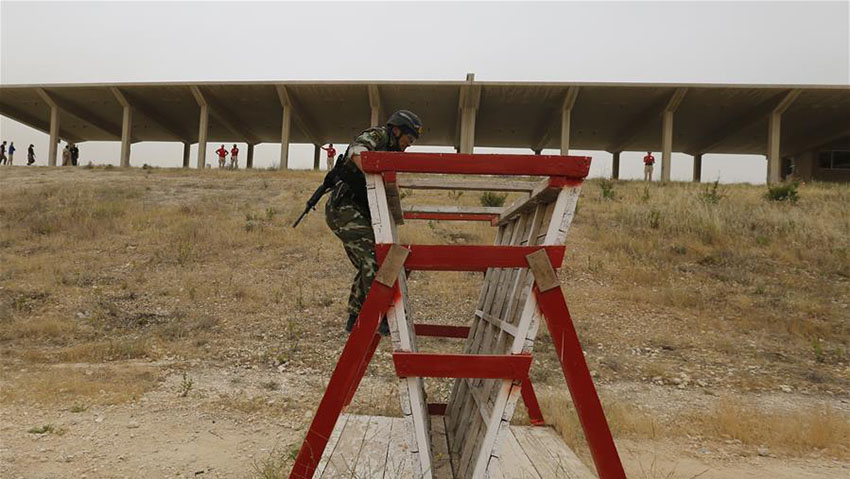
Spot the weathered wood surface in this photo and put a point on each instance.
(375, 447)
(466, 184)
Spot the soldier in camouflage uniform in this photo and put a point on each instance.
(347, 210)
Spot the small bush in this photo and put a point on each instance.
(712, 195)
(783, 192)
(488, 198)
(607, 187)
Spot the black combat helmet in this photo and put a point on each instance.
(407, 121)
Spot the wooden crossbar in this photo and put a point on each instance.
(410, 215)
(435, 365)
(466, 184)
(576, 167)
(441, 331)
(470, 257)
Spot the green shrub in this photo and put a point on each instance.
(783, 192)
(488, 198)
(607, 189)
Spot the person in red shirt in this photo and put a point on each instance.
(648, 162)
(234, 160)
(331, 155)
(222, 156)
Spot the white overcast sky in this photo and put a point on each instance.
(689, 42)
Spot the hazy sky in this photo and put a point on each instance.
(693, 42)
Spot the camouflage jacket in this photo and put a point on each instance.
(353, 181)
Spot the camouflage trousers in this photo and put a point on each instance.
(354, 228)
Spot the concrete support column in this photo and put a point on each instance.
(249, 162)
(285, 128)
(774, 160)
(375, 117)
(666, 145)
(54, 136)
(565, 131)
(698, 168)
(126, 133)
(186, 148)
(467, 130)
(537, 151)
(203, 129)
(317, 155)
(374, 105)
(615, 166)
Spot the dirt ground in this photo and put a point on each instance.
(133, 354)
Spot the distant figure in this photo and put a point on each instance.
(11, 152)
(3, 153)
(66, 155)
(222, 156)
(234, 157)
(331, 155)
(648, 162)
(75, 154)
(30, 155)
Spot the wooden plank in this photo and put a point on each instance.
(544, 274)
(372, 460)
(466, 184)
(551, 457)
(442, 465)
(545, 192)
(399, 458)
(511, 462)
(344, 459)
(508, 328)
(440, 209)
(331, 446)
(394, 262)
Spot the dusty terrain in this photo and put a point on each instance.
(168, 323)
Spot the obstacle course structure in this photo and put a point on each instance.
(520, 288)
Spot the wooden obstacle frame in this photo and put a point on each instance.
(520, 288)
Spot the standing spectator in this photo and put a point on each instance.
(234, 160)
(331, 155)
(66, 155)
(30, 155)
(3, 153)
(75, 154)
(648, 162)
(222, 156)
(11, 152)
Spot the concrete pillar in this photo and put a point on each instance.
(615, 166)
(666, 145)
(186, 148)
(203, 129)
(54, 136)
(317, 155)
(537, 151)
(126, 133)
(774, 160)
(249, 162)
(698, 168)
(565, 131)
(376, 117)
(285, 128)
(467, 130)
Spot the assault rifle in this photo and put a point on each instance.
(328, 183)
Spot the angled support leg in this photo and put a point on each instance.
(351, 365)
(535, 415)
(362, 372)
(552, 304)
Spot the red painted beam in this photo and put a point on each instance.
(486, 366)
(470, 257)
(437, 409)
(440, 331)
(535, 415)
(451, 216)
(590, 413)
(575, 167)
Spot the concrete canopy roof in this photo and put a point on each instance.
(605, 116)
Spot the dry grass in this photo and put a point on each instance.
(796, 432)
(72, 386)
